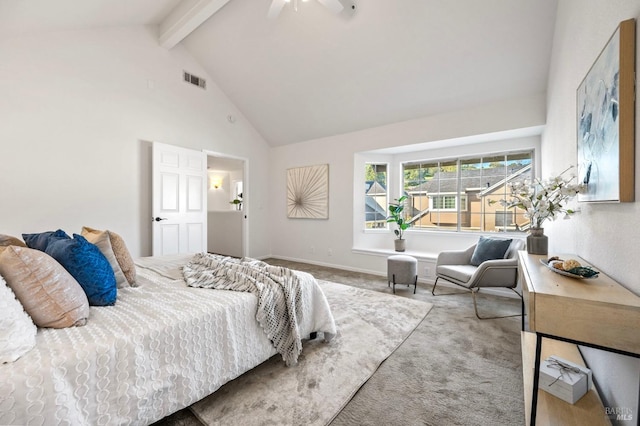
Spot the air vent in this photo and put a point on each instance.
(195, 80)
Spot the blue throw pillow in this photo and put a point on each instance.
(87, 265)
(40, 240)
(489, 249)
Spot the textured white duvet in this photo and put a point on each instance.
(162, 347)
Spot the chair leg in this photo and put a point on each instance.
(475, 306)
(394, 283)
(442, 294)
(415, 285)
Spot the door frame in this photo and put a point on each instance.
(246, 199)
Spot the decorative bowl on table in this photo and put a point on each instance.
(569, 268)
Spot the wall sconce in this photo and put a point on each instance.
(216, 182)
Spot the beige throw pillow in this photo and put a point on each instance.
(49, 294)
(102, 240)
(119, 250)
(8, 240)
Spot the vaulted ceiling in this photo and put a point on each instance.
(311, 74)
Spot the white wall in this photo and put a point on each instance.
(78, 111)
(218, 198)
(331, 241)
(225, 233)
(605, 234)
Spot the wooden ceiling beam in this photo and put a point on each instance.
(185, 18)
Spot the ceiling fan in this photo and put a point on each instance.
(276, 6)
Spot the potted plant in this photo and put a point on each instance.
(396, 216)
(237, 202)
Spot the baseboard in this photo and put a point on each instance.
(327, 265)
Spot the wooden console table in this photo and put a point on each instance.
(597, 313)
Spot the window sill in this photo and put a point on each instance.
(420, 255)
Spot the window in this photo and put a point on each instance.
(375, 193)
(447, 202)
(464, 194)
(504, 218)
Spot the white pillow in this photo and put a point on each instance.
(17, 331)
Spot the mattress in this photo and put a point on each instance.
(160, 348)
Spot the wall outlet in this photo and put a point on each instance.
(312, 249)
(426, 271)
(330, 252)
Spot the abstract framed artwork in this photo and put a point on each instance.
(606, 115)
(308, 192)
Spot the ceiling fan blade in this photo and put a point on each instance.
(333, 5)
(275, 8)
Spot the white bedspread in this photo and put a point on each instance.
(162, 347)
(278, 290)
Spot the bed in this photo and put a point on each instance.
(160, 348)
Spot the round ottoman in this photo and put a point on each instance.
(402, 269)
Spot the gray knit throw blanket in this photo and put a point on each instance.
(277, 289)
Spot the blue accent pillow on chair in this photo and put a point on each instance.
(87, 265)
(40, 240)
(489, 249)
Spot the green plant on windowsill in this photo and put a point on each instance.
(396, 216)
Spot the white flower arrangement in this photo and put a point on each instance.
(543, 199)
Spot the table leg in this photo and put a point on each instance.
(536, 378)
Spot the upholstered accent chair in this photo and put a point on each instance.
(483, 265)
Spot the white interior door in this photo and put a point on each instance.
(179, 186)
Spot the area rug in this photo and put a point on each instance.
(371, 326)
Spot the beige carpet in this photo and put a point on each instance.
(453, 369)
(371, 325)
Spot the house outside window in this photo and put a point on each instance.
(376, 197)
(463, 194)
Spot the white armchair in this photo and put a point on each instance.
(456, 267)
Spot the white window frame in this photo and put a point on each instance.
(387, 194)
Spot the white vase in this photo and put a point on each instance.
(400, 244)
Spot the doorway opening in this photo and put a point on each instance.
(226, 205)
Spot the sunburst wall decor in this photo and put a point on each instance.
(308, 192)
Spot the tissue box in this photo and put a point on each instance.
(564, 379)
